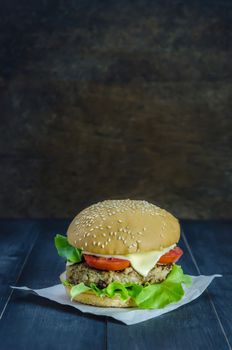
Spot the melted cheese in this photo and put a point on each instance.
(141, 262)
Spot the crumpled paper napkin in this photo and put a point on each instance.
(128, 315)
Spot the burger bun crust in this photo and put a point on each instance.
(120, 227)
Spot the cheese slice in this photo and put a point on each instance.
(141, 262)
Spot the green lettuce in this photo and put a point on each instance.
(150, 296)
(67, 251)
(78, 289)
(67, 283)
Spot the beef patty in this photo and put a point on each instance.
(81, 272)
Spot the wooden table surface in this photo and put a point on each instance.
(28, 257)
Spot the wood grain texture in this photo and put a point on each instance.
(17, 238)
(37, 323)
(211, 243)
(116, 99)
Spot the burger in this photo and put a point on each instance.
(123, 253)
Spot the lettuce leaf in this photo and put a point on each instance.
(159, 295)
(78, 289)
(116, 288)
(66, 250)
(151, 296)
(66, 283)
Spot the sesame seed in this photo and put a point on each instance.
(98, 243)
(108, 226)
(102, 246)
(103, 234)
(94, 236)
(91, 229)
(94, 243)
(144, 229)
(86, 244)
(121, 229)
(119, 220)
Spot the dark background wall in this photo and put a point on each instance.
(115, 99)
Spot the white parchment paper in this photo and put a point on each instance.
(128, 316)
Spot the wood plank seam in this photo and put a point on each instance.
(207, 292)
(20, 272)
(107, 318)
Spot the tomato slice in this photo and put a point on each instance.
(114, 264)
(171, 257)
(109, 264)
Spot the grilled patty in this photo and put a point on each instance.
(81, 272)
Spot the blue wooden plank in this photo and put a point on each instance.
(194, 326)
(37, 322)
(211, 246)
(42, 324)
(17, 240)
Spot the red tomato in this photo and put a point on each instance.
(114, 264)
(171, 257)
(109, 264)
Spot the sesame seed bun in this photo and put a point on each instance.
(120, 227)
(90, 298)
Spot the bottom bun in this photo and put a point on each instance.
(90, 298)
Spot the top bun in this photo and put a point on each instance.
(120, 227)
